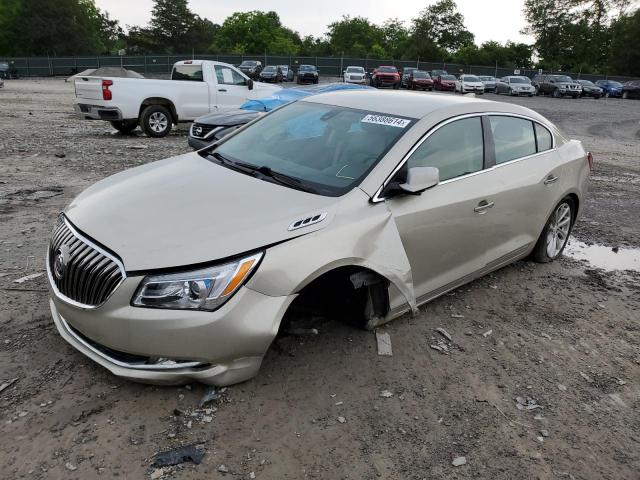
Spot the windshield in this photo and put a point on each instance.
(519, 80)
(249, 63)
(268, 69)
(327, 148)
(586, 82)
(470, 78)
(420, 75)
(486, 79)
(307, 68)
(388, 69)
(562, 78)
(614, 84)
(447, 77)
(355, 70)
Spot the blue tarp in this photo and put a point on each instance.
(287, 95)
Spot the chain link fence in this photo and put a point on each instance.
(329, 66)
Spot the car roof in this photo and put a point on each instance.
(408, 104)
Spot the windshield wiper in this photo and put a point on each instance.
(227, 162)
(281, 178)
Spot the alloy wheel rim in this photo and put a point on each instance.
(558, 231)
(158, 122)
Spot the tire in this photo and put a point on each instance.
(606, 95)
(625, 95)
(510, 92)
(156, 121)
(396, 86)
(556, 93)
(537, 92)
(496, 91)
(546, 250)
(125, 126)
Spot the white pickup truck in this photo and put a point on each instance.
(197, 87)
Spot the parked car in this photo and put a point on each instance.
(386, 76)
(355, 75)
(444, 82)
(307, 74)
(251, 68)
(271, 73)
(489, 82)
(419, 80)
(373, 203)
(406, 72)
(8, 70)
(1, 82)
(287, 73)
(556, 85)
(469, 84)
(212, 127)
(196, 87)
(631, 89)
(610, 88)
(589, 89)
(515, 85)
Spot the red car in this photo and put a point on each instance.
(445, 82)
(385, 76)
(419, 80)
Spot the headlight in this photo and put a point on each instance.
(204, 289)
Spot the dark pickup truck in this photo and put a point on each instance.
(556, 85)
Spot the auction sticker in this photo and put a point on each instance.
(384, 120)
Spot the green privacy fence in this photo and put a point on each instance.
(329, 66)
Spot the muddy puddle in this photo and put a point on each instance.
(607, 258)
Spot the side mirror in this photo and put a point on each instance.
(420, 179)
(250, 84)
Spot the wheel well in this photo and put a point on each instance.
(352, 294)
(576, 204)
(160, 101)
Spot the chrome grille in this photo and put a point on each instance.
(81, 272)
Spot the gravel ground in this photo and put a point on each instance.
(565, 334)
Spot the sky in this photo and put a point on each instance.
(499, 20)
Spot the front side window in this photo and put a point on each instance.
(513, 138)
(328, 148)
(228, 76)
(191, 73)
(455, 149)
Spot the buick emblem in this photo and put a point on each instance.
(197, 131)
(61, 257)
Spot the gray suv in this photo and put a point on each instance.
(556, 86)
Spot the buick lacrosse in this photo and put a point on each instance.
(361, 205)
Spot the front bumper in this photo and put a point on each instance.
(479, 90)
(361, 81)
(523, 92)
(219, 348)
(307, 78)
(198, 143)
(97, 112)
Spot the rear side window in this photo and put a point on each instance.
(455, 149)
(228, 76)
(513, 138)
(543, 138)
(191, 73)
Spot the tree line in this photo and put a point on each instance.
(591, 36)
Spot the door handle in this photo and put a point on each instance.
(222, 89)
(483, 206)
(550, 179)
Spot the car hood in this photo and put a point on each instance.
(227, 118)
(187, 210)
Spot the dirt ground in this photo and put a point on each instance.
(566, 335)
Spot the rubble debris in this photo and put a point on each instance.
(384, 344)
(26, 278)
(444, 333)
(157, 473)
(456, 315)
(459, 461)
(138, 147)
(386, 394)
(562, 387)
(252, 475)
(487, 333)
(70, 466)
(544, 433)
(342, 420)
(60, 155)
(527, 403)
(7, 384)
(210, 395)
(193, 453)
(223, 469)
(586, 377)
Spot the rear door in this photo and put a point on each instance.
(447, 230)
(232, 88)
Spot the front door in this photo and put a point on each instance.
(231, 89)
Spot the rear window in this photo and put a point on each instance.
(191, 73)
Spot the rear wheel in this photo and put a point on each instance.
(556, 93)
(556, 232)
(156, 121)
(125, 126)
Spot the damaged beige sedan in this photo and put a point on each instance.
(357, 204)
